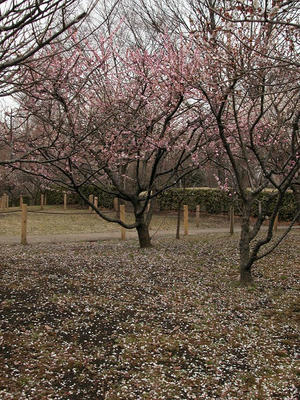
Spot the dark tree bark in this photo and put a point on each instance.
(296, 191)
(143, 232)
(178, 219)
(26, 27)
(244, 245)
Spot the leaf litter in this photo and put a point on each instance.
(110, 321)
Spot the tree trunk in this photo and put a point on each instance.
(296, 191)
(178, 219)
(244, 246)
(245, 276)
(143, 232)
(178, 223)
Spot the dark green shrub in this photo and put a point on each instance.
(216, 201)
(287, 210)
(212, 201)
(56, 196)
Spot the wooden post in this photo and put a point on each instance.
(259, 208)
(45, 199)
(122, 218)
(231, 217)
(149, 203)
(116, 204)
(24, 224)
(116, 207)
(21, 201)
(6, 201)
(275, 226)
(91, 200)
(65, 201)
(186, 219)
(197, 215)
(95, 202)
(42, 201)
(148, 206)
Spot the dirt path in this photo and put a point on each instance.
(111, 235)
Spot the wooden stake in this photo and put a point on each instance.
(116, 204)
(231, 216)
(7, 201)
(117, 207)
(95, 203)
(149, 203)
(148, 206)
(122, 218)
(259, 208)
(4, 201)
(275, 226)
(91, 200)
(42, 201)
(197, 216)
(186, 219)
(65, 201)
(21, 201)
(24, 224)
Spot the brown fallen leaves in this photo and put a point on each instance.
(111, 321)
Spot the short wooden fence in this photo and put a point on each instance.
(93, 205)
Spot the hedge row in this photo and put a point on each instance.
(212, 201)
(56, 196)
(215, 201)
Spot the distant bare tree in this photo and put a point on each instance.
(26, 26)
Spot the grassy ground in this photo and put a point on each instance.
(108, 321)
(55, 220)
